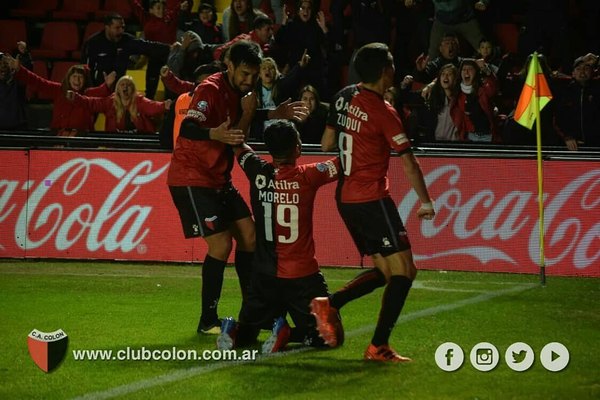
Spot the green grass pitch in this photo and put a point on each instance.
(111, 306)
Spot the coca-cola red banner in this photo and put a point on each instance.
(116, 205)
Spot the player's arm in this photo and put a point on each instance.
(249, 104)
(413, 172)
(328, 139)
(191, 129)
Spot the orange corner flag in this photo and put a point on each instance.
(535, 90)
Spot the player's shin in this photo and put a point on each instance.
(361, 285)
(394, 297)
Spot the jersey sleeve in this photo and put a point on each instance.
(250, 163)
(202, 104)
(321, 173)
(394, 131)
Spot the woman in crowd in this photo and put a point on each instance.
(442, 105)
(239, 18)
(312, 128)
(67, 116)
(126, 110)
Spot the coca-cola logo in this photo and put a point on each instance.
(490, 220)
(117, 223)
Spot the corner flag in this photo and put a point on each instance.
(534, 96)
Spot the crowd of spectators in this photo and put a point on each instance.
(459, 72)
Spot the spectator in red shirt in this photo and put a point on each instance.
(262, 34)
(160, 25)
(126, 110)
(67, 116)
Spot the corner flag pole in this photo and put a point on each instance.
(534, 96)
(540, 179)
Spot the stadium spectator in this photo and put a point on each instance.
(262, 34)
(579, 103)
(273, 88)
(427, 69)
(366, 127)
(67, 116)
(160, 25)
(109, 50)
(199, 176)
(441, 116)
(239, 18)
(126, 110)
(306, 33)
(188, 55)
(205, 25)
(12, 92)
(490, 54)
(456, 16)
(312, 128)
(286, 273)
(476, 120)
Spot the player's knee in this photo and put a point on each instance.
(220, 249)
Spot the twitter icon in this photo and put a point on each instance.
(519, 356)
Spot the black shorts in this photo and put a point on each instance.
(206, 211)
(271, 297)
(375, 226)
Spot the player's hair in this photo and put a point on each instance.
(371, 60)
(245, 52)
(281, 138)
(208, 69)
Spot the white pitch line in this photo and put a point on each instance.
(183, 374)
(419, 284)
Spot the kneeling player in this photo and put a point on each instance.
(286, 276)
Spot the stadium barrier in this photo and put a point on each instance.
(115, 205)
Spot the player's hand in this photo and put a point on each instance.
(249, 103)
(426, 211)
(292, 110)
(223, 134)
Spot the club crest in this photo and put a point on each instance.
(47, 349)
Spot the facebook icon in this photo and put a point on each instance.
(449, 356)
(449, 353)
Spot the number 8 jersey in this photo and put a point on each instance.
(282, 202)
(366, 127)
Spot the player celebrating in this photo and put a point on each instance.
(364, 127)
(199, 176)
(286, 274)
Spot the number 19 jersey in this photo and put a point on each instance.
(366, 128)
(282, 202)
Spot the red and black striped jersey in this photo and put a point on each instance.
(282, 202)
(367, 127)
(206, 163)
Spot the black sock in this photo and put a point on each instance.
(394, 297)
(212, 283)
(243, 267)
(362, 284)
